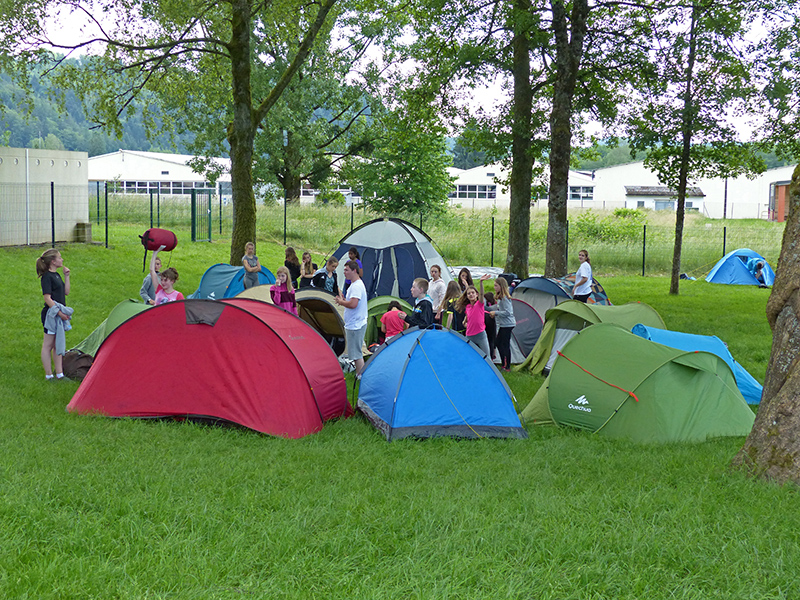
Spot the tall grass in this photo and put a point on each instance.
(617, 245)
(97, 508)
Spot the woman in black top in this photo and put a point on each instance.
(293, 264)
(54, 289)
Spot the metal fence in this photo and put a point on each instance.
(463, 236)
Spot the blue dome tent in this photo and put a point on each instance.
(433, 382)
(226, 281)
(689, 342)
(734, 269)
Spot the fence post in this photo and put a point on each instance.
(285, 202)
(193, 210)
(352, 211)
(724, 238)
(106, 215)
(420, 221)
(566, 247)
(98, 203)
(220, 214)
(53, 212)
(209, 213)
(151, 208)
(644, 246)
(492, 261)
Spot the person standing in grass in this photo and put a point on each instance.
(436, 290)
(583, 278)
(292, 263)
(147, 291)
(503, 312)
(422, 315)
(355, 314)
(55, 314)
(251, 266)
(474, 321)
(307, 270)
(491, 324)
(282, 292)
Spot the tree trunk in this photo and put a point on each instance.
(687, 129)
(569, 50)
(241, 132)
(772, 450)
(519, 218)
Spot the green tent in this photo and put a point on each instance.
(565, 320)
(118, 315)
(609, 382)
(376, 307)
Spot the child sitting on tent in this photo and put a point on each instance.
(325, 278)
(164, 282)
(756, 267)
(391, 321)
(251, 265)
(455, 316)
(474, 316)
(282, 292)
(422, 316)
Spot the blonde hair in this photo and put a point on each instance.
(249, 244)
(422, 284)
(504, 292)
(310, 268)
(44, 261)
(288, 277)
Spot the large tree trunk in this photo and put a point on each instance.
(772, 450)
(569, 50)
(519, 218)
(241, 132)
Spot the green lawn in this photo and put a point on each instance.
(103, 508)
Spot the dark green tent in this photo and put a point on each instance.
(609, 381)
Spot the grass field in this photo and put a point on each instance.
(103, 508)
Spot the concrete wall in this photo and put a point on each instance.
(25, 195)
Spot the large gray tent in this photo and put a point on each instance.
(393, 253)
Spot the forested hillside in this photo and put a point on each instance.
(43, 125)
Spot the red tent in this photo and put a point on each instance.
(236, 360)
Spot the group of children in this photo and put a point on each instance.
(485, 319)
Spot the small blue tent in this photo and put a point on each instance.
(689, 342)
(225, 281)
(733, 269)
(433, 382)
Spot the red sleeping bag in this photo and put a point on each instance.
(154, 238)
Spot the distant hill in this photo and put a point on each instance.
(47, 127)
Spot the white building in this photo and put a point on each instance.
(43, 196)
(133, 172)
(479, 188)
(739, 198)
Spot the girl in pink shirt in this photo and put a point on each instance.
(282, 292)
(164, 282)
(474, 318)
